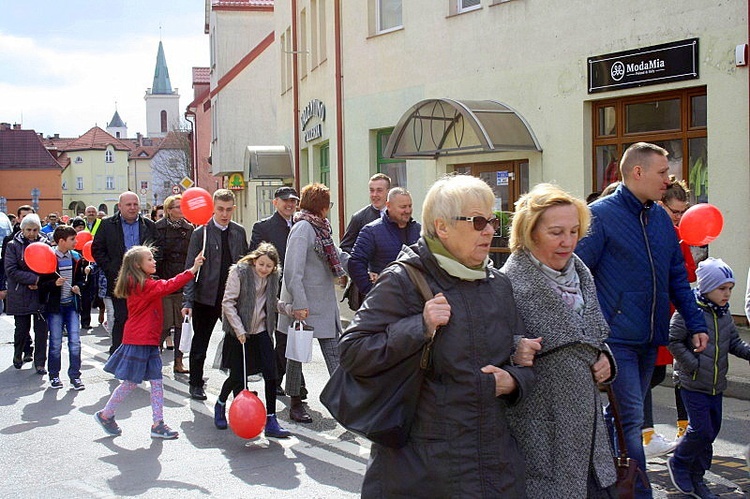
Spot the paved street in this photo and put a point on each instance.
(51, 447)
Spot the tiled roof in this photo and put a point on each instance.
(174, 140)
(242, 3)
(201, 75)
(23, 149)
(96, 138)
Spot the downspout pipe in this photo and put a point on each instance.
(339, 115)
(295, 96)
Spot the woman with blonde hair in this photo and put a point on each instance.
(560, 425)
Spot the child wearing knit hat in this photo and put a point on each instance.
(703, 376)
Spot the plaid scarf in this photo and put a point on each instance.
(323, 244)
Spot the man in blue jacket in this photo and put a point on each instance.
(380, 242)
(634, 255)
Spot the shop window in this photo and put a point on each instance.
(660, 115)
(674, 120)
(394, 168)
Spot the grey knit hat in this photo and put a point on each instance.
(712, 273)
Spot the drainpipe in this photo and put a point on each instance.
(295, 94)
(339, 114)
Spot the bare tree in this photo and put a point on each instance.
(171, 162)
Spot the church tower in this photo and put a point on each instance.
(117, 128)
(162, 103)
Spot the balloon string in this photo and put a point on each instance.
(205, 229)
(244, 364)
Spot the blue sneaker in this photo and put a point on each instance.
(680, 478)
(161, 430)
(109, 425)
(700, 489)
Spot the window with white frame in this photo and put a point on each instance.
(144, 184)
(322, 29)
(110, 183)
(65, 185)
(388, 15)
(79, 183)
(282, 64)
(79, 159)
(109, 156)
(166, 184)
(303, 43)
(467, 5)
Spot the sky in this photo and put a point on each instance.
(64, 64)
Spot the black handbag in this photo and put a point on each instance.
(381, 407)
(627, 469)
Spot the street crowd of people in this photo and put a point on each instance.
(592, 295)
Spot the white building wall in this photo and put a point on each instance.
(532, 56)
(155, 104)
(245, 108)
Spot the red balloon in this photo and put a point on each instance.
(87, 251)
(40, 258)
(247, 415)
(197, 205)
(82, 238)
(701, 224)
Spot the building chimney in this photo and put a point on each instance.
(4, 126)
(16, 126)
(56, 136)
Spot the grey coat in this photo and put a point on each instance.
(706, 372)
(460, 444)
(560, 426)
(309, 283)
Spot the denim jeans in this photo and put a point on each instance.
(68, 315)
(695, 451)
(635, 366)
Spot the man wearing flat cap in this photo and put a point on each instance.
(275, 230)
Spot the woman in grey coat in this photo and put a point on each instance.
(459, 444)
(312, 266)
(560, 425)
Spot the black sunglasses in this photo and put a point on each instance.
(480, 222)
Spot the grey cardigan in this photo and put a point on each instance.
(565, 401)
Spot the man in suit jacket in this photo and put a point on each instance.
(226, 243)
(379, 185)
(116, 235)
(275, 230)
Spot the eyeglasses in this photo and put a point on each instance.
(480, 222)
(676, 212)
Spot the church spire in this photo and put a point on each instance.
(161, 85)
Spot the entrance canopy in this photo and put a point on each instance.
(447, 127)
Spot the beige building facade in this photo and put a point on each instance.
(572, 110)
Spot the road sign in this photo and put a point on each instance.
(144, 191)
(175, 189)
(186, 183)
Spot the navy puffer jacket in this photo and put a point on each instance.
(633, 253)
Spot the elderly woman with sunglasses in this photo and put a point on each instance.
(560, 425)
(459, 444)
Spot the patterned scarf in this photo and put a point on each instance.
(323, 245)
(565, 283)
(703, 300)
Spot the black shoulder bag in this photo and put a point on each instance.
(381, 407)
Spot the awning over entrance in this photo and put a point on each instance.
(447, 127)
